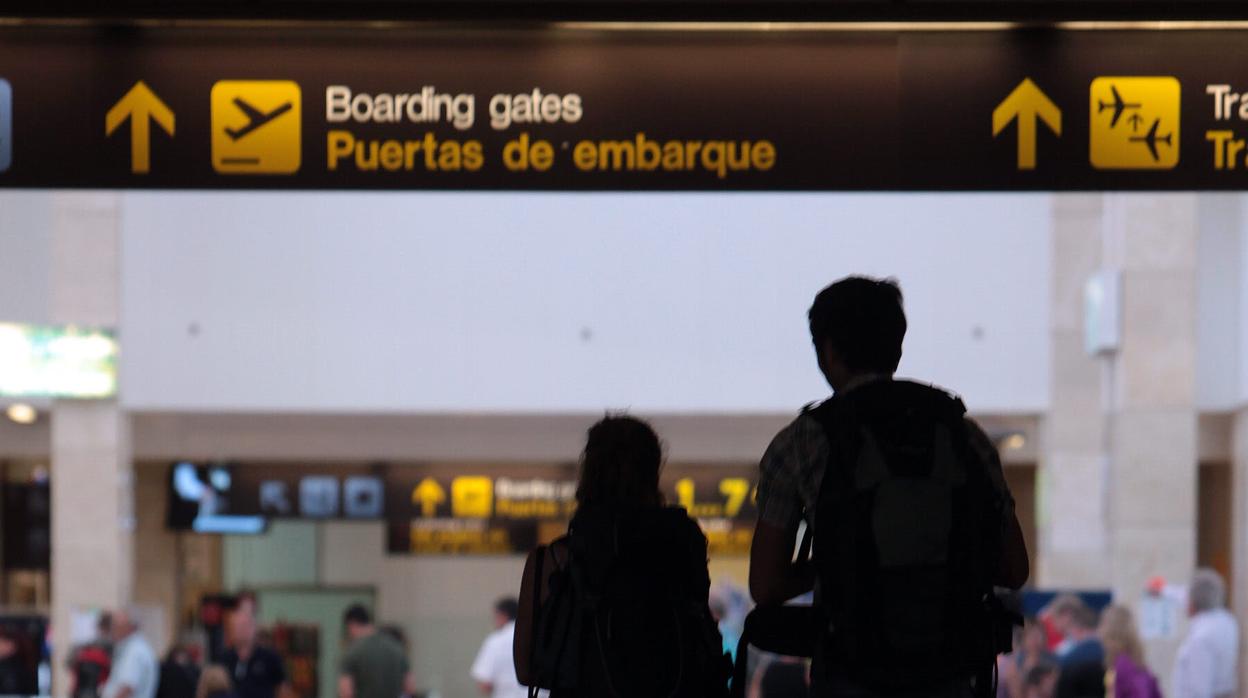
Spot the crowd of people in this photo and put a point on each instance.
(1071, 651)
(903, 567)
(120, 662)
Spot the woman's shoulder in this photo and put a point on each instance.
(680, 521)
(1134, 674)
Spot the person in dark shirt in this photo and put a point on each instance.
(1083, 662)
(16, 677)
(375, 665)
(178, 674)
(257, 672)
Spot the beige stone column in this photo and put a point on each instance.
(1120, 459)
(1239, 536)
(1073, 539)
(1153, 465)
(92, 480)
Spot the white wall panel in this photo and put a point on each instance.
(563, 302)
(1219, 311)
(25, 257)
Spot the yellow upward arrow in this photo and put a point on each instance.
(1026, 104)
(139, 105)
(428, 494)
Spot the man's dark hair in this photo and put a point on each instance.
(357, 614)
(863, 320)
(104, 624)
(508, 606)
(620, 465)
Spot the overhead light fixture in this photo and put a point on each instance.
(22, 413)
(1014, 442)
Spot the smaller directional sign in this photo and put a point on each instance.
(256, 126)
(1026, 105)
(1134, 123)
(274, 498)
(140, 105)
(318, 496)
(429, 495)
(363, 497)
(472, 497)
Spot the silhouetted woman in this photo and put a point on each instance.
(624, 595)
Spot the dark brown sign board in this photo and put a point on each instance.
(458, 508)
(505, 509)
(361, 108)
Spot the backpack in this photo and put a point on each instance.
(906, 541)
(626, 610)
(91, 667)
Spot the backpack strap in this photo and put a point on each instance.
(538, 583)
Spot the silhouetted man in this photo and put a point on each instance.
(915, 521)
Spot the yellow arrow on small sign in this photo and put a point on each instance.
(1026, 104)
(428, 494)
(139, 105)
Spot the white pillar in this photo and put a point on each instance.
(1072, 521)
(92, 479)
(1120, 458)
(1153, 240)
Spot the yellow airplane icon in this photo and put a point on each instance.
(256, 127)
(472, 497)
(1134, 123)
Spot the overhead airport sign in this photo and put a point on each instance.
(595, 109)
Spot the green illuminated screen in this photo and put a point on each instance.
(64, 362)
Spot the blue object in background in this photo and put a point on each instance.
(1034, 601)
(6, 125)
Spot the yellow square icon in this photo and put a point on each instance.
(256, 126)
(472, 497)
(1134, 123)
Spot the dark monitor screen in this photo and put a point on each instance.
(25, 527)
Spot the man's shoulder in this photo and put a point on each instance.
(1086, 652)
(1213, 625)
(268, 655)
(353, 650)
(500, 640)
(1227, 620)
(799, 429)
(385, 643)
(141, 648)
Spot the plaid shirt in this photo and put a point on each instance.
(791, 472)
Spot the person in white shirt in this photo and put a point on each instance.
(494, 669)
(135, 672)
(1206, 666)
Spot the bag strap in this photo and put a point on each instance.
(538, 580)
(741, 669)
